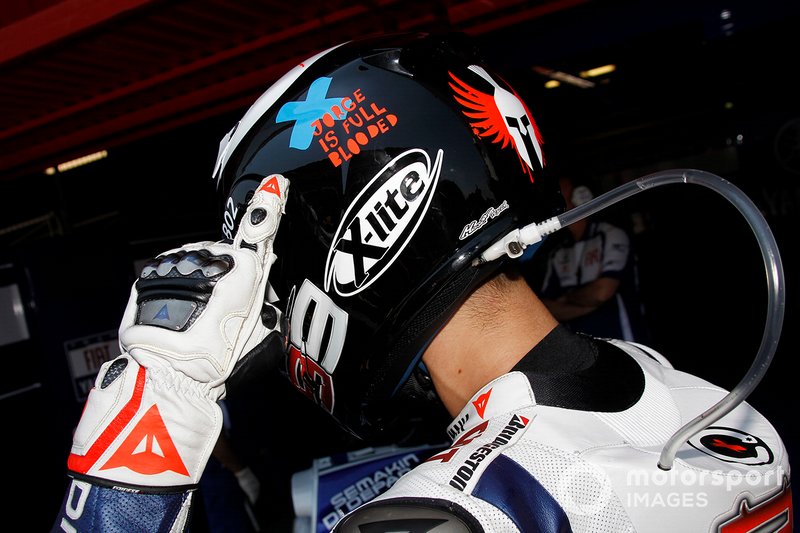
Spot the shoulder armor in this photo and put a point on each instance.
(409, 515)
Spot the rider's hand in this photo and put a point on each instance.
(195, 312)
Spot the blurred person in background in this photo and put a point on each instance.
(591, 278)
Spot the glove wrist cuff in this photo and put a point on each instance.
(145, 426)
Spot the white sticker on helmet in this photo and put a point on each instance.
(381, 221)
(258, 109)
(485, 218)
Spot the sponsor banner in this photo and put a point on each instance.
(85, 356)
(344, 488)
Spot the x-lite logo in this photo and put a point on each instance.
(359, 250)
(381, 221)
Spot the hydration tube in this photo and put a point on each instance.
(515, 242)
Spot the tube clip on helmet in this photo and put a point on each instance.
(407, 157)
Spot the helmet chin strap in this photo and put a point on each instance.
(515, 242)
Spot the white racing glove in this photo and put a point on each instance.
(195, 312)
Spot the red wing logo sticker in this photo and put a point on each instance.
(148, 449)
(481, 403)
(501, 116)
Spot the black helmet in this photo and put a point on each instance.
(407, 156)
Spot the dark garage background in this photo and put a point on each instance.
(156, 84)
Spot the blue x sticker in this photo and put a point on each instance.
(305, 113)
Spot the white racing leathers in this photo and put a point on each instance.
(516, 465)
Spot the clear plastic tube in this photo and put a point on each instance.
(773, 267)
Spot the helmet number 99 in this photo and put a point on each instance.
(316, 333)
